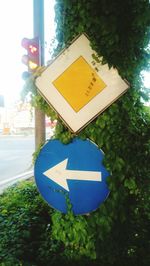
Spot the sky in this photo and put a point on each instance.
(16, 22)
(147, 79)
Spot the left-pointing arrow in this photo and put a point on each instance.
(59, 174)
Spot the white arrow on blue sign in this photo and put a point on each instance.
(74, 170)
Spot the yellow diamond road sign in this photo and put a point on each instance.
(78, 87)
(79, 83)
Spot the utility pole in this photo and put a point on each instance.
(38, 29)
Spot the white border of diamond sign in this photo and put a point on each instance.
(115, 85)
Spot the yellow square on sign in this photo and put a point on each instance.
(79, 84)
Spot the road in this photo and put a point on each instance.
(15, 155)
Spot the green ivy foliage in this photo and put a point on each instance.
(119, 32)
(117, 233)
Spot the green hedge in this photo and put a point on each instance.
(24, 220)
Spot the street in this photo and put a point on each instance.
(15, 155)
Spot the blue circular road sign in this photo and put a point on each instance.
(74, 170)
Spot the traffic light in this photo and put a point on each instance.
(33, 57)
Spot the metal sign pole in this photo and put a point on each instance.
(38, 30)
